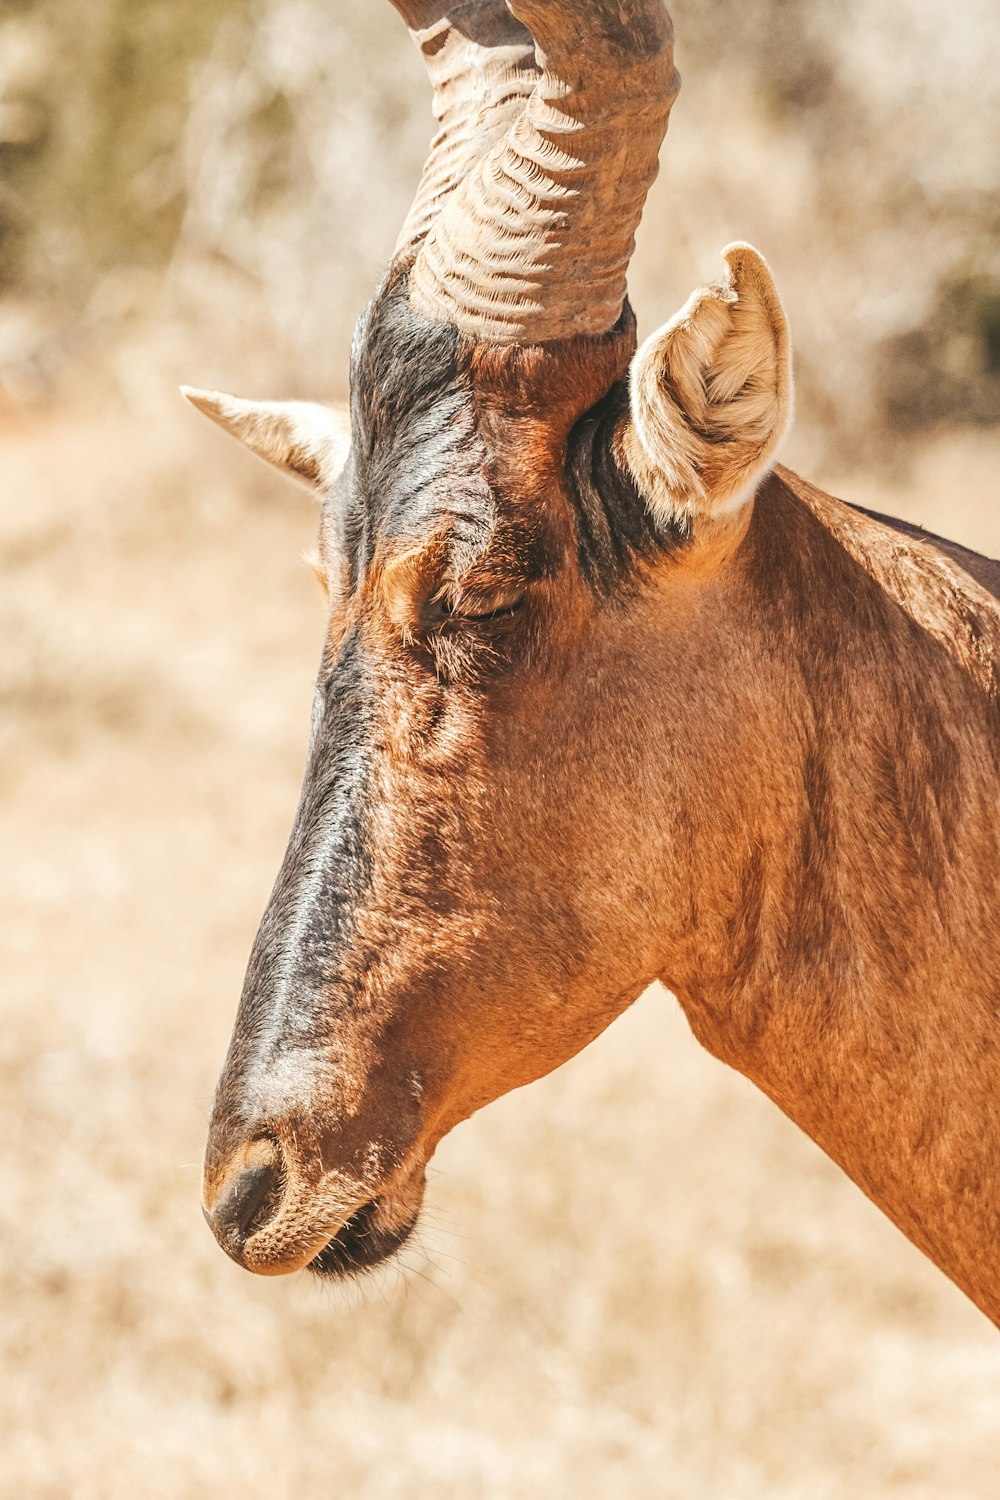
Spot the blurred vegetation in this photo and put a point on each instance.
(947, 370)
(232, 173)
(97, 96)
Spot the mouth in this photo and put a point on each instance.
(360, 1244)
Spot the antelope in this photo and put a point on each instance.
(607, 696)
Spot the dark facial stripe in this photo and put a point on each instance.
(614, 528)
(304, 946)
(416, 453)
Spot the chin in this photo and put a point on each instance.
(364, 1242)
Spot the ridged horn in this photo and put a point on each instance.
(534, 244)
(481, 63)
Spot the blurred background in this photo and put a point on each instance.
(634, 1277)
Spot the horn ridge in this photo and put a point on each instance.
(481, 63)
(534, 244)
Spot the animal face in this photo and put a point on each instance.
(514, 556)
(437, 934)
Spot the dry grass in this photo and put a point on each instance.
(635, 1278)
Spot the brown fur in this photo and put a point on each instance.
(597, 707)
(668, 790)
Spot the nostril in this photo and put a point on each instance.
(256, 1194)
(248, 1201)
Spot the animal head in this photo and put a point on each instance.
(518, 547)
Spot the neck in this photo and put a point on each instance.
(845, 953)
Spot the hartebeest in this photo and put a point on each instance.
(606, 697)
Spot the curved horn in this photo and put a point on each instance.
(535, 243)
(481, 63)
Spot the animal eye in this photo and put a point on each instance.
(498, 612)
(476, 610)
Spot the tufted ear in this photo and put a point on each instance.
(711, 395)
(306, 441)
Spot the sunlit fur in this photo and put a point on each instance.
(302, 439)
(604, 698)
(762, 769)
(711, 394)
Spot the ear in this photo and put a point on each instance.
(306, 441)
(711, 395)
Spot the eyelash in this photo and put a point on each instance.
(448, 612)
(491, 614)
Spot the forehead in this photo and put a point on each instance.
(510, 455)
(418, 466)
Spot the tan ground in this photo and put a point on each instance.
(636, 1279)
